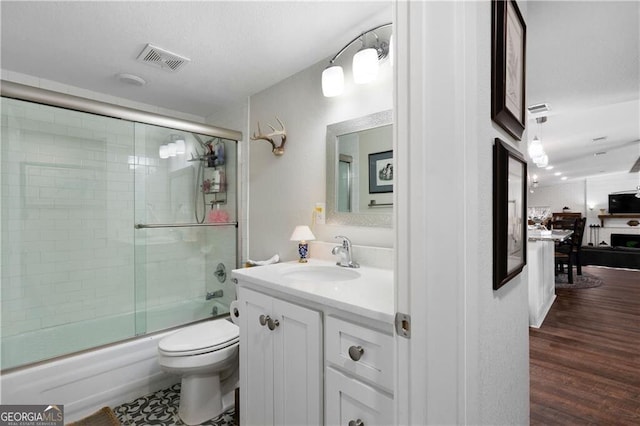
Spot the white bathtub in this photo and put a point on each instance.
(87, 381)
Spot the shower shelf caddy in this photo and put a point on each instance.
(215, 197)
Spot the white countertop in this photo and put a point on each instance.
(554, 235)
(370, 295)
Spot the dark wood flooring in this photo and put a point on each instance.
(585, 359)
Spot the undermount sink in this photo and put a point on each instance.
(320, 273)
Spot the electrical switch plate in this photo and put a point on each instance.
(319, 212)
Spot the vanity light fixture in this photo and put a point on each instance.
(177, 146)
(302, 234)
(180, 145)
(163, 152)
(365, 63)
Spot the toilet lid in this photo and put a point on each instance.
(196, 337)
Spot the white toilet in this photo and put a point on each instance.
(205, 355)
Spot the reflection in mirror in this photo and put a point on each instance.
(360, 171)
(344, 182)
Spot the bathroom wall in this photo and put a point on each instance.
(283, 190)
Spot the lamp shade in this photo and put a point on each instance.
(171, 148)
(180, 146)
(302, 233)
(332, 81)
(163, 151)
(365, 66)
(535, 148)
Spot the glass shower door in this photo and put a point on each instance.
(185, 215)
(67, 241)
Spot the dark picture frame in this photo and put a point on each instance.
(508, 65)
(381, 172)
(509, 213)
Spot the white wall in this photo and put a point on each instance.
(501, 317)
(469, 350)
(569, 194)
(283, 190)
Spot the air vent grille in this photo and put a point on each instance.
(538, 108)
(162, 58)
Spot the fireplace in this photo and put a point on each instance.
(625, 240)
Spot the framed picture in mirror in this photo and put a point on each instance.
(381, 172)
(508, 61)
(509, 213)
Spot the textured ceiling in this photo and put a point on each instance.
(237, 48)
(583, 58)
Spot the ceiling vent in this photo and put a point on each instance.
(538, 108)
(600, 139)
(161, 58)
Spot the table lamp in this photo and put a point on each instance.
(302, 234)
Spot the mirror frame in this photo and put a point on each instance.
(335, 217)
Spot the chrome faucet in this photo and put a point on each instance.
(344, 251)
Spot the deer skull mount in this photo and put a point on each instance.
(277, 150)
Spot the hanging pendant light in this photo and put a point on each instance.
(365, 65)
(535, 148)
(542, 161)
(332, 81)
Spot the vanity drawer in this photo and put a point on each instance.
(351, 402)
(360, 350)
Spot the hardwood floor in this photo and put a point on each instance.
(585, 359)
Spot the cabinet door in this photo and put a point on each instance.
(256, 359)
(350, 400)
(297, 365)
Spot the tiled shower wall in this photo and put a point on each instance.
(67, 206)
(69, 202)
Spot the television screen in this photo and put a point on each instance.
(624, 203)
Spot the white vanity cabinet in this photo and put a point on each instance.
(358, 375)
(316, 344)
(281, 380)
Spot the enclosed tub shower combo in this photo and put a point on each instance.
(117, 225)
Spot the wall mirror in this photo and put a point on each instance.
(360, 171)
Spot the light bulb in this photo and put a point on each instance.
(332, 81)
(365, 66)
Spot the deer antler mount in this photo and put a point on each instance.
(278, 150)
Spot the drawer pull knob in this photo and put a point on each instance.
(355, 353)
(264, 319)
(356, 423)
(272, 324)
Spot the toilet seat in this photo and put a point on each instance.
(209, 336)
